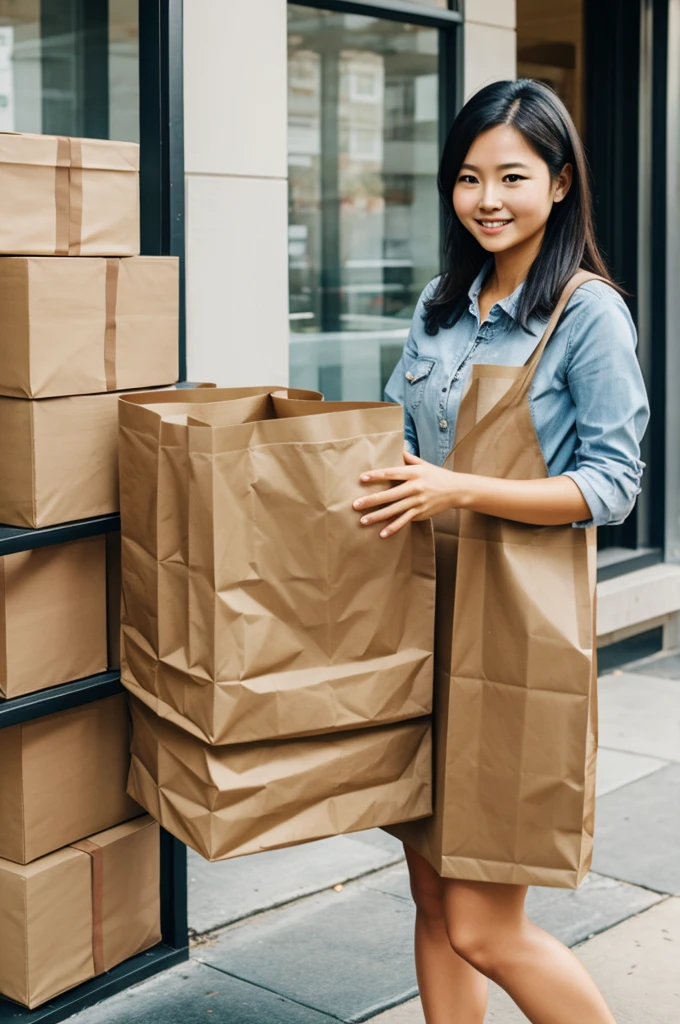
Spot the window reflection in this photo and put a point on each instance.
(550, 48)
(70, 67)
(363, 220)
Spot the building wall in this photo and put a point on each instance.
(235, 124)
(490, 43)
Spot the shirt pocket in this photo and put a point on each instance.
(416, 379)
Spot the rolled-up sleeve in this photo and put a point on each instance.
(612, 411)
(394, 392)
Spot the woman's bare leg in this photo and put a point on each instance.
(451, 991)
(488, 927)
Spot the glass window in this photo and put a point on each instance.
(363, 236)
(550, 48)
(70, 67)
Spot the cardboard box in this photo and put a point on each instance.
(77, 913)
(63, 777)
(52, 615)
(68, 197)
(58, 459)
(73, 327)
(229, 801)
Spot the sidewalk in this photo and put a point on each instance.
(323, 932)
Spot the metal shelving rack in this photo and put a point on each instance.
(162, 206)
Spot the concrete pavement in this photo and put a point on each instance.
(323, 932)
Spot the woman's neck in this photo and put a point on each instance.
(511, 268)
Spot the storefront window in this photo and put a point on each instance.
(363, 133)
(70, 67)
(550, 48)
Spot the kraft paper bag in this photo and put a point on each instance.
(52, 615)
(234, 800)
(62, 196)
(154, 468)
(299, 622)
(516, 674)
(76, 913)
(59, 459)
(78, 326)
(63, 777)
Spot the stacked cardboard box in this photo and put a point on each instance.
(68, 912)
(79, 863)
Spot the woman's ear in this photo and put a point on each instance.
(563, 183)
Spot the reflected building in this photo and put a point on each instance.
(363, 235)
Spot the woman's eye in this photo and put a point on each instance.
(468, 179)
(512, 178)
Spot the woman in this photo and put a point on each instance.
(514, 183)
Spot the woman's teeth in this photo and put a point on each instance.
(494, 223)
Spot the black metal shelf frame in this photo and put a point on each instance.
(162, 205)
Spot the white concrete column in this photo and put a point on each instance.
(235, 126)
(490, 43)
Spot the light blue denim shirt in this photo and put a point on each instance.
(587, 398)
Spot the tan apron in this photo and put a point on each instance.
(515, 670)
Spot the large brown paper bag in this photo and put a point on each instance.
(63, 777)
(52, 615)
(73, 327)
(516, 674)
(299, 621)
(78, 912)
(154, 498)
(68, 197)
(229, 801)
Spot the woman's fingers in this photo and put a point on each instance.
(389, 512)
(383, 497)
(399, 523)
(396, 473)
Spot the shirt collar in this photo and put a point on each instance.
(509, 304)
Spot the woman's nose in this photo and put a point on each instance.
(490, 202)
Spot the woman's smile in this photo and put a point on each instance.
(493, 227)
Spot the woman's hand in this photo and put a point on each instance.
(422, 491)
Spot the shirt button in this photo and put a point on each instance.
(443, 424)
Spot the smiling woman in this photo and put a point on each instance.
(524, 408)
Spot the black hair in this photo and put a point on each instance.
(569, 242)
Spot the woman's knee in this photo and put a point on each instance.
(426, 887)
(486, 934)
(481, 949)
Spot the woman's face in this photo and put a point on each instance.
(504, 194)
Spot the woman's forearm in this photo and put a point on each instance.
(548, 502)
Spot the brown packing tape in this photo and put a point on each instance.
(68, 196)
(96, 855)
(112, 274)
(75, 197)
(62, 197)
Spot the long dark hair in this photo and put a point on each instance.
(569, 242)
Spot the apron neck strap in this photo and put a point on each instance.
(579, 278)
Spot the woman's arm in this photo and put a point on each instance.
(422, 490)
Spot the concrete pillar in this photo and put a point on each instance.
(235, 124)
(490, 43)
